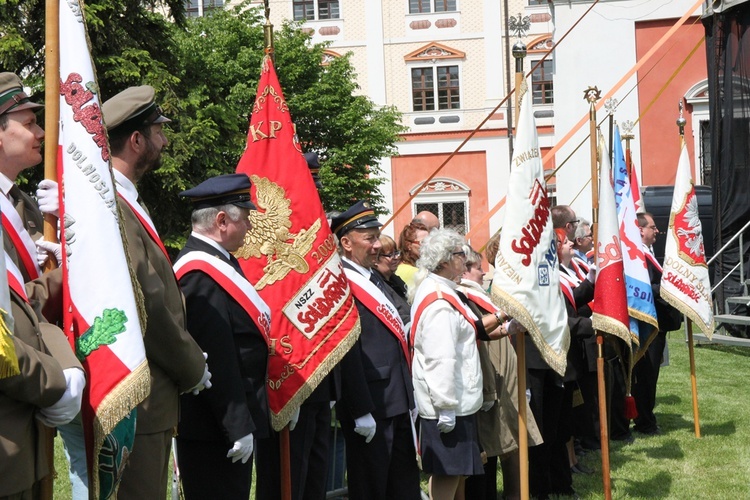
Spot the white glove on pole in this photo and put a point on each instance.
(43, 250)
(592, 274)
(446, 420)
(205, 382)
(65, 410)
(487, 405)
(365, 426)
(242, 449)
(47, 196)
(513, 327)
(294, 420)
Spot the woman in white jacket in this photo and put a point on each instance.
(445, 370)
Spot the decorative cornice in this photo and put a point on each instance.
(543, 43)
(433, 51)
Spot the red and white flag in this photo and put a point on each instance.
(685, 282)
(290, 256)
(610, 307)
(101, 315)
(526, 283)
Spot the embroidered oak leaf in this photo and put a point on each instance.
(102, 332)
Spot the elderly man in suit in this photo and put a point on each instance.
(230, 322)
(377, 392)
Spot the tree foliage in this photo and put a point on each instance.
(206, 71)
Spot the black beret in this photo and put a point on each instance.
(230, 189)
(361, 215)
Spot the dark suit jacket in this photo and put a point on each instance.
(375, 376)
(175, 360)
(669, 318)
(43, 353)
(236, 404)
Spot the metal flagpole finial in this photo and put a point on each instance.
(627, 129)
(519, 26)
(610, 105)
(268, 31)
(592, 94)
(681, 120)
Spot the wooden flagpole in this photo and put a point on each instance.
(284, 437)
(689, 324)
(592, 95)
(519, 53)
(51, 129)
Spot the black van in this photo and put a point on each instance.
(658, 202)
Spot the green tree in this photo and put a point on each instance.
(206, 71)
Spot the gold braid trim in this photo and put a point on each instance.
(611, 326)
(8, 359)
(687, 311)
(279, 421)
(517, 311)
(114, 407)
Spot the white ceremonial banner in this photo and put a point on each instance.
(685, 282)
(526, 283)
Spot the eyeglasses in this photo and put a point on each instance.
(653, 228)
(590, 235)
(461, 254)
(392, 255)
(574, 221)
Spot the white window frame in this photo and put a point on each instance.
(201, 9)
(697, 97)
(434, 65)
(432, 8)
(442, 190)
(316, 10)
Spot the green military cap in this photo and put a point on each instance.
(131, 109)
(12, 96)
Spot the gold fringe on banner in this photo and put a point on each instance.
(8, 359)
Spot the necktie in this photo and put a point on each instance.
(17, 199)
(236, 265)
(374, 278)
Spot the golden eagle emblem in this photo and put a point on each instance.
(270, 235)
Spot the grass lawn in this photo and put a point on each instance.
(674, 464)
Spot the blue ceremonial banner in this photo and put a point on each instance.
(641, 307)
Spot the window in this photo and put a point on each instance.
(541, 82)
(427, 6)
(199, 8)
(705, 152)
(306, 9)
(440, 80)
(452, 214)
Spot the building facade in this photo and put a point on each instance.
(445, 65)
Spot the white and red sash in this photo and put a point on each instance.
(480, 299)
(567, 284)
(366, 292)
(144, 218)
(650, 256)
(15, 279)
(580, 267)
(241, 290)
(438, 294)
(25, 247)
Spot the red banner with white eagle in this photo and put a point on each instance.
(100, 311)
(290, 256)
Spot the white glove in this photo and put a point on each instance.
(513, 327)
(48, 198)
(446, 420)
(65, 410)
(487, 405)
(44, 248)
(365, 426)
(242, 449)
(294, 420)
(592, 274)
(205, 382)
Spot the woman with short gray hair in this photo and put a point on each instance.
(446, 372)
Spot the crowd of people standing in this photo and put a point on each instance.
(431, 384)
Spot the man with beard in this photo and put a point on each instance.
(177, 364)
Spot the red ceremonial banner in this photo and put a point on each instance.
(290, 256)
